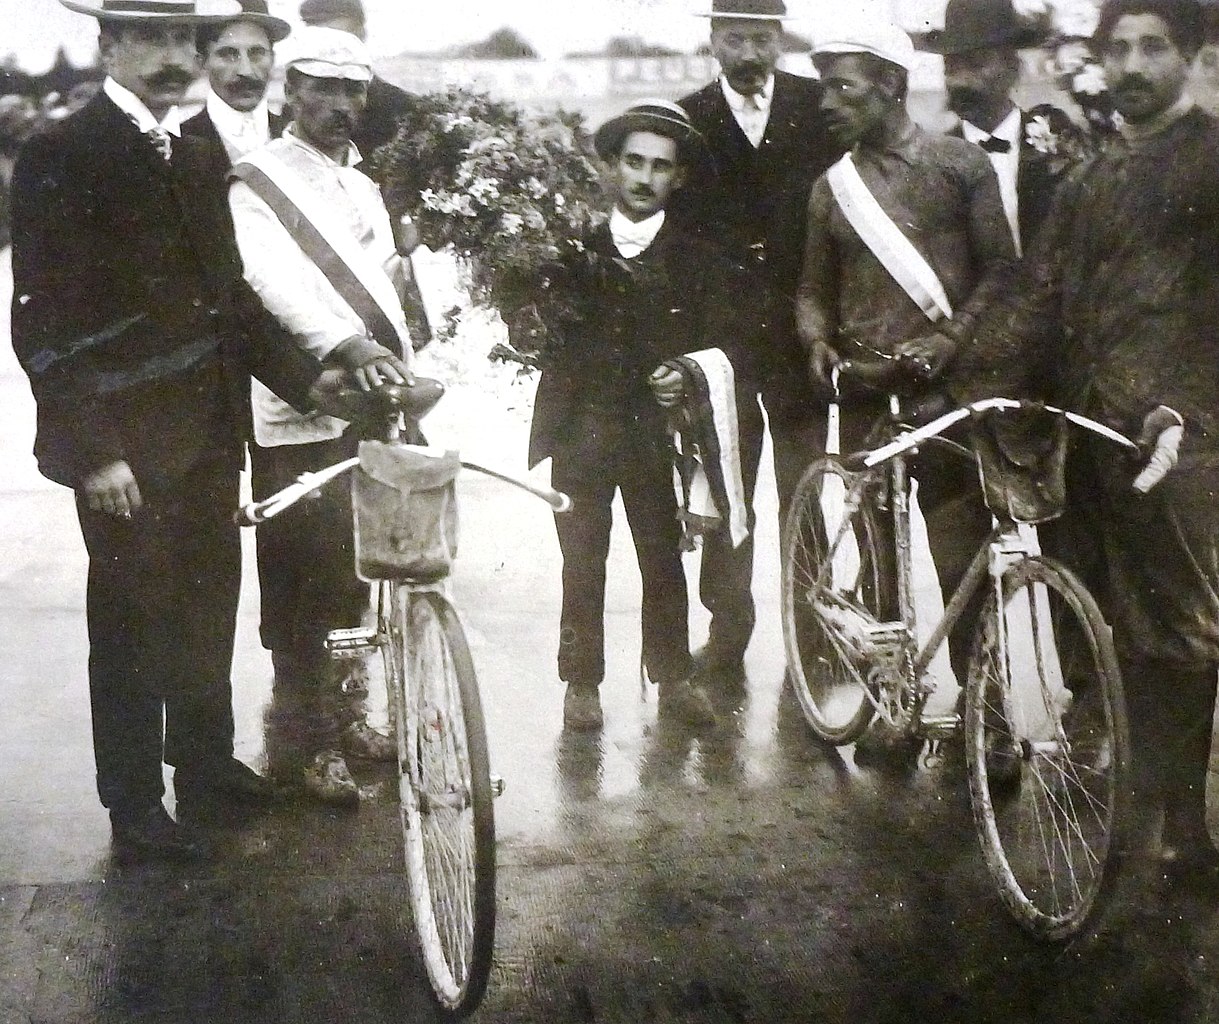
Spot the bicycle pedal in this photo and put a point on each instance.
(937, 728)
(497, 786)
(342, 644)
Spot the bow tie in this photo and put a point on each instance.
(993, 145)
(632, 240)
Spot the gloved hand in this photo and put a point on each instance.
(1161, 436)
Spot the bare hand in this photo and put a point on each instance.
(387, 369)
(821, 362)
(667, 386)
(326, 394)
(927, 357)
(113, 490)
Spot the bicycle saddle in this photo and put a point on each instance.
(415, 400)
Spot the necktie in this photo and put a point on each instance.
(161, 141)
(993, 145)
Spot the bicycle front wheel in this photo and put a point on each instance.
(837, 582)
(1047, 748)
(445, 796)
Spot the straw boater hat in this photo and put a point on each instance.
(328, 53)
(980, 25)
(196, 13)
(882, 39)
(653, 115)
(759, 10)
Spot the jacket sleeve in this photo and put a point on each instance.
(817, 290)
(53, 339)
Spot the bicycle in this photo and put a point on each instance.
(1046, 735)
(445, 786)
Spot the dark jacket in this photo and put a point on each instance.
(379, 122)
(202, 125)
(130, 313)
(752, 201)
(678, 296)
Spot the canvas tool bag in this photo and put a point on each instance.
(405, 501)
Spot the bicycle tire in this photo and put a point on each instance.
(830, 685)
(1047, 773)
(445, 795)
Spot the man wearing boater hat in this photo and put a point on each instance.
(238, 57)
(660, 292)
(301, 207)
(767, 145)
(980, 43)
(139, 336)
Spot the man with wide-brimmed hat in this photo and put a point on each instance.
(301, 207)
(139, 336)
(767, 145)
(655, 291)
(238, 57)
(980, 43)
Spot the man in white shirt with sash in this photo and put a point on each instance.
(320, 252)
(907, 242)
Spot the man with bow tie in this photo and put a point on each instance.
(238, 58)
(980, 43)
(766, 144)
(659, 292)
(139, 336)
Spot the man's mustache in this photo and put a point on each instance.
(252, 84)
(170, 78)
(644, 192)
(1132, 82)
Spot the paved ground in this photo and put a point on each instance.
(646, 876)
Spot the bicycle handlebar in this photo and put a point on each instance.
(913, 438)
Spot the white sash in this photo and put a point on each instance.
(368, 271)
(897, 254)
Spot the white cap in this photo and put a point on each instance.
(328, 53)
(880, 38)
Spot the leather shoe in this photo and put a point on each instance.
(887, 749)
(713, 663)
(329, 780)
(151, 834)
(582, 708)
(686, 703)
(232, 779)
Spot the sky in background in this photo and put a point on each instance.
(33, 29)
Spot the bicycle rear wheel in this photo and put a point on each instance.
(837, 581)
(1047, 748)
(445, 795)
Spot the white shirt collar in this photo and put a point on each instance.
(350, 160)
(633, 237)
(131, 105)
(229, 121)
(1008, 129)
(736, 100)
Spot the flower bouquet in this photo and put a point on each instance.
(513, 195)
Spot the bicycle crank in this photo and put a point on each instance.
(352, 644)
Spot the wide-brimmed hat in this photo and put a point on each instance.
(980, 25)
(256, 11)
(882, 39)
(661, 117)
(193, 11)
(328, 53)
(759, 10)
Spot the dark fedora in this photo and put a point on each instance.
(769, 10)
(256, 11)
(980, 25)
(661, 117)
(156, 10)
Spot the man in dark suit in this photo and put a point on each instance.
(980, 43)
(657, 292)
(139, 336)
(767, 145)
(238, 58)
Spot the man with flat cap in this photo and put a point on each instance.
(980, 43)
(661, 292)
(301, 208)
(139, 336)
(238, 57)
(906, 245)
(767, 145)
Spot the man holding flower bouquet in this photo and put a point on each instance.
(659, 293)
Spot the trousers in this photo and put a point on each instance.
(161, 605)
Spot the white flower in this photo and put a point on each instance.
(559, 201)
(577, 245)
(483, 189)
(1076, 18)
(1041, 136)
(535, 188)
(1090, 81)
(1030, 8)
(511, 223)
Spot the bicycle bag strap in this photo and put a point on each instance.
(896, 253)
(357, 279)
